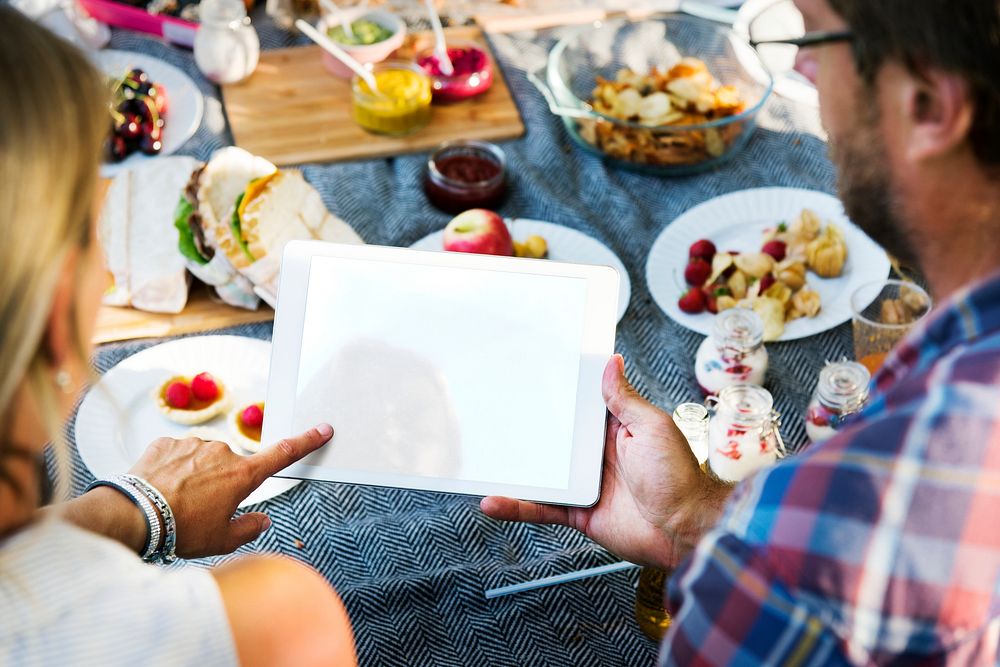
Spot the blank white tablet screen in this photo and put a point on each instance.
(436, 372)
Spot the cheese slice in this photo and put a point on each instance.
(287, 208)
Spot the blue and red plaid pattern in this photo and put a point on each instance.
(881, 544)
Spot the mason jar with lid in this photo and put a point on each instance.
(743, 433)
(733, 354)
(842, 390)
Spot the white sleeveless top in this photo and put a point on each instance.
(69, 597)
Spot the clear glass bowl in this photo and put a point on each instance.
(604, 48)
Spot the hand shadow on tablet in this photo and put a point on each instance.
(390, 409)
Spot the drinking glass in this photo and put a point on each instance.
(884, 311)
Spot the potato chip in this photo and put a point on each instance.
(754, 264)
(721, 262)
(737, 284)
(779, 292)
(772, 314)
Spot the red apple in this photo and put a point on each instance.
(479, 231)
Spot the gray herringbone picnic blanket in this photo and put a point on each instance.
(412, 567)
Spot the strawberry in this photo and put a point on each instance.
(766, 282)
(178, 395)
(204, 387)
(703, 249)
(775, 249)
(252, 416)
(693, 301)
(697, 272)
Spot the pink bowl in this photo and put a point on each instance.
(364, 54)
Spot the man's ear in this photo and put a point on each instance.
(939, 111)
(59, 344)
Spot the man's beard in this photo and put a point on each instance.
(866, 188)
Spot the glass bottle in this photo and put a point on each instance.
(743, 433)
(226, 46)
(733, 354)
(692, 420)
(650, 607)
(841, 391)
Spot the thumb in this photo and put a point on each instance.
(623, 401)
(246, 528)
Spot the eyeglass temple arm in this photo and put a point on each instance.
(811, 39)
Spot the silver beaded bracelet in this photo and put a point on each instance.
(120, 484)
(166, 553)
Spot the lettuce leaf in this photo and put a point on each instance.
(185, 237)
(235, 227)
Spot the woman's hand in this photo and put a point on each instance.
(655, 502)
(204, 483)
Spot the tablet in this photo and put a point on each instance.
(444, 371)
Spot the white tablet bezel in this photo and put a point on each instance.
(598, 337)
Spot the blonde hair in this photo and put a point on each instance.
(53, 121)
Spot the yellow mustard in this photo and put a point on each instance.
(403, 105)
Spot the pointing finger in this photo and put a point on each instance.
(287, 451)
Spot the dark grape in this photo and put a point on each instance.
(118, 148)
(132, 126)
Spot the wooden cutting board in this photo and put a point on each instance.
(203, 312)
(293, 111)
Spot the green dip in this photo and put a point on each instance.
(365, 32)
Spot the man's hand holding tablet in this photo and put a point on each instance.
(655, 501)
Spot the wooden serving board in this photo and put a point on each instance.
(203, 313)
(293, 111)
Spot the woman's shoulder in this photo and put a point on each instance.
(68, 596)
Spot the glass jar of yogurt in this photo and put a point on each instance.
(842, 390)
(733, 354)
(743, 433)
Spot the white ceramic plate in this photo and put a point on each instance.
(565, 245)
(118, 417)
(185, 104)
(735, 222)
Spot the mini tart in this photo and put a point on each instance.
(198, 412)
(244, 436)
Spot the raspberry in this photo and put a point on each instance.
(697, 272)
(252, 417)
(692, 302)
(704, 249)
(178, 395)
(204, 387)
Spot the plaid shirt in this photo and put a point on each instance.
(880, 544)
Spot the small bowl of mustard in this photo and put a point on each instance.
(401, 105)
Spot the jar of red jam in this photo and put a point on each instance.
(466, 174)
(472, 72)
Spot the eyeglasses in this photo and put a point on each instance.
(816, 38)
